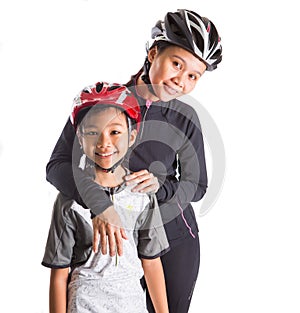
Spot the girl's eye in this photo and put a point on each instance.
(115, 132)
(193, 77)
(91, 133)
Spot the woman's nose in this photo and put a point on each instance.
(179, 80)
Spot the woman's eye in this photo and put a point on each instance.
(194, 76)
(177, 64)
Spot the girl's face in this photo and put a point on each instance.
(174, 72)
(104, 136)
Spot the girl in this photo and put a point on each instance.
(169, 156)
(99, 283)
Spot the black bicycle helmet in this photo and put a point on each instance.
(192, 32)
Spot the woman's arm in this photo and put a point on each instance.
(154, 276)
(63, 172)
(58, 290)
(59, 168)
(72, 181)
(191, 183)
(184, 147)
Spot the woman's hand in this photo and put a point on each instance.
(108, 230)
(145, 182)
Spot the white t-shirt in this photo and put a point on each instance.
(100, 283)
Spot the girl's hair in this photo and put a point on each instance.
(84, 114)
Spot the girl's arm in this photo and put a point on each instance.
(58, 290)
(154, 276)
(152, 243)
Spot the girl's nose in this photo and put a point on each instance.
(103, 140)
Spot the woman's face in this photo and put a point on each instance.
(174, 72)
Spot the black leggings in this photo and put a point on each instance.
(181, 267)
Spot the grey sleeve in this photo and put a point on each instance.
(61, 238)
(152, 238)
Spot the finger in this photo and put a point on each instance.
(149, 185)
(136, 180)
(95, 240)
(145, 180)
(123, 233)
(149, 189)
(103, 239)
(141, 186)
(136, 177)
(119, 243)
(136, 174)
(112, 241)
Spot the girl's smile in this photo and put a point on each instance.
(104, 136)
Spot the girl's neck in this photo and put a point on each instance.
(110, 179)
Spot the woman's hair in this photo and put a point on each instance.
(161, 45)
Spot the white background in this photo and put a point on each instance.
(49, 50)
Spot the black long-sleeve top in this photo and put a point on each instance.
(169, 144)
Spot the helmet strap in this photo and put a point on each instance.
(111, 169)
(145, 77)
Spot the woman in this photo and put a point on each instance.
(169, 150)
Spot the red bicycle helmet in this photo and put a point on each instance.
(107, 94)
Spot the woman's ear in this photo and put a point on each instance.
(132, 137)
(152, 53)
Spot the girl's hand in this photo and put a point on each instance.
(145, 182)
